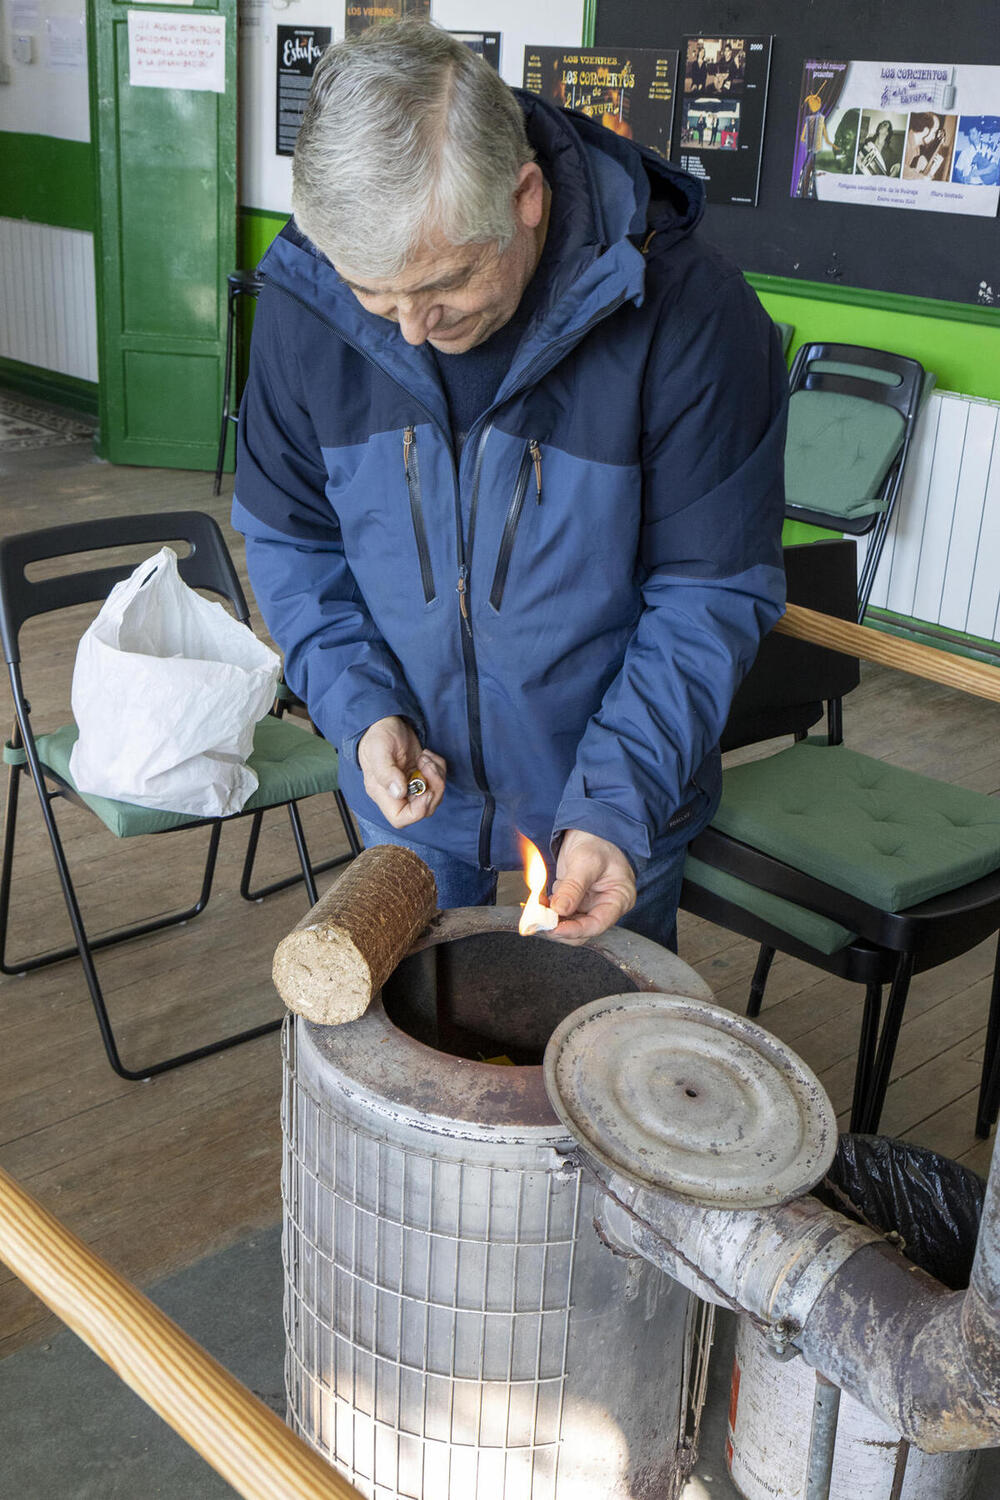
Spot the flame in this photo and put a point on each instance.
(535, 917)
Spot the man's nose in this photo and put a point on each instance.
(417, 319)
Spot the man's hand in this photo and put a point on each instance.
(594, 887)
(388, 753)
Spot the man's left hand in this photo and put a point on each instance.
(594, 887)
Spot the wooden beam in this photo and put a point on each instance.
(975, 677)
(237, 1434)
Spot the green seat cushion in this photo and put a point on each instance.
(290, 762)
(837, 452)
(808, 926)
(889, 836)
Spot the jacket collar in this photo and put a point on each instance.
(605, 192)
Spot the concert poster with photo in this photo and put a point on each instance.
(629, 92)
(485, 44)
(899, 135)
(299, 50)
(360, 14)
(720, 133)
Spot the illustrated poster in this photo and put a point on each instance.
(485, 44)
(899, 135)
(360, 14)
(631, 93)
(299, 50)
(723, 102)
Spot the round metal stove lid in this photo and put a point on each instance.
(684, 1096)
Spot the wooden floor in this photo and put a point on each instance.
(156, 1175)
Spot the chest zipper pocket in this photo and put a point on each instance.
(532, 459)
(411, 468)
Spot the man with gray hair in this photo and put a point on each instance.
(510, 476)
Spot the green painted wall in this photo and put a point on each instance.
(46, 180)
(254, 232)
(960, 344)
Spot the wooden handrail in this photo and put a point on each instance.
(232, 1430)
(975, 677)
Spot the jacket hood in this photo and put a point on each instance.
(624, 188)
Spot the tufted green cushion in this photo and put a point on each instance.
(289, 760)
(808, 926)
(838, 450)
(889, 836)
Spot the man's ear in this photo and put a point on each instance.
(529, 195)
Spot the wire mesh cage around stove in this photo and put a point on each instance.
(455, 1327)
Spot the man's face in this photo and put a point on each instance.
(455, 297)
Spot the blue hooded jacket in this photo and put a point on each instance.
(565, 612)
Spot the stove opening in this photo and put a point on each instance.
(496, 995)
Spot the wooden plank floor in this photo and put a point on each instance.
(156, 1175)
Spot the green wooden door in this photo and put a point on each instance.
(166, 239)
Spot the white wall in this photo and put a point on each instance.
(265, 178)
(49, 95)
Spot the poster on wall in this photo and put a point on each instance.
(299, 50)
(899, 135)
(485, 44)
(360, 14)
(723, 102)
(631, 93)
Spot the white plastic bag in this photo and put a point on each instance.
(167, 689)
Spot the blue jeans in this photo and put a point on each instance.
(658, 887)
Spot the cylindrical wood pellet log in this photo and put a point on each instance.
(975, 677)
(233, 1431)
(342, 952)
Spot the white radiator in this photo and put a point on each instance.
(48, 306)
(941, 562)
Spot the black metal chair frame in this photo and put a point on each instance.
(891, 946)
(904, 398)
(208, 566)
(239, 284)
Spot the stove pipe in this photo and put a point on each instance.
(924, 1359)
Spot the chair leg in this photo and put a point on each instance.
(866, 1055)
(989, 1088)
(887, 1044)
(84, 948)
(873, 556)
(105, 940)
(226, 393)
(7, 860)
(308, 870)
(765, 958)
(357, 847)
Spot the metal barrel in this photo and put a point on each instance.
(455, 1325)
(768, 1441)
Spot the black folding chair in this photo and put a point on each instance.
(851, 416)
(865, 870)
(290, 762)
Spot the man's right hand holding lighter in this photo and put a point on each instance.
(389, 753)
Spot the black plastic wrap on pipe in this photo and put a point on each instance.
(932, 1203)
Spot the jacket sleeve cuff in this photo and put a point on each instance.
(362, 714)
(604, 822)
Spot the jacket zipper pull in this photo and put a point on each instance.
(463, 574)
(536, 459)
(408, 435)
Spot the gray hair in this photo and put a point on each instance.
(406, 133)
